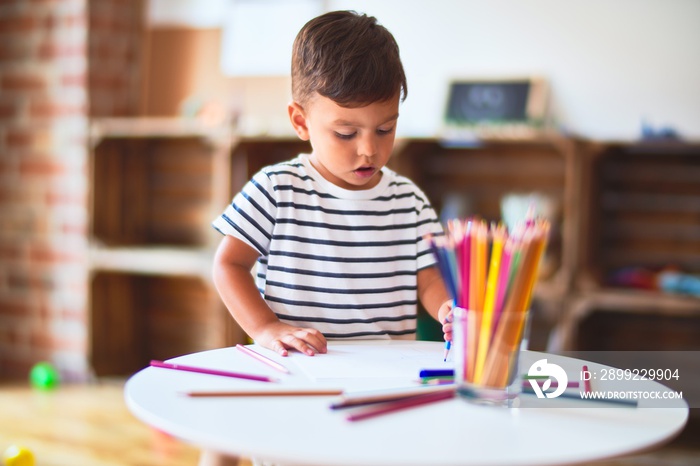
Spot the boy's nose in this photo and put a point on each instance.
(367, 147)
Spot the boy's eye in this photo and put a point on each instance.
(345, 136)
(385, 131)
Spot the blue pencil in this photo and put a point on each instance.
(448, 345)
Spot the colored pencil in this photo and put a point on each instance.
(300, 392)
(263, 359)
(400, 405)
(465, 265)
(201, 370)
(489, 301)
(490, 273)
(383, 396)
(448, 345)
(586, 382)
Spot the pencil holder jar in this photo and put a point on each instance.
(486, 352)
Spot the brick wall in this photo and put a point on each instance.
(115, 36)
(44, 120)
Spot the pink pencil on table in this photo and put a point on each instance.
(201, 370)
(263, 359)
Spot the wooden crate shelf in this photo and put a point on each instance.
(136, 318)
(479, 177)
(641, 212)
(156, 185)
(152, 191)
(647, 199)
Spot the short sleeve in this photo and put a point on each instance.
(251, 215)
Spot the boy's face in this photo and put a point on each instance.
(350, 145)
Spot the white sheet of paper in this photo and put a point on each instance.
(356, 361)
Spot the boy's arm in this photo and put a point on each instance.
(434, 297)
(232, 264)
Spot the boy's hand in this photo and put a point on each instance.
(445, 318)
(280, 337)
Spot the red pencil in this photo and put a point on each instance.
(587, 381)
(400, 405)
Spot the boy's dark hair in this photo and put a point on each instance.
(347, 57)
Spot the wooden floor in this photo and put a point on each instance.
(89, 425)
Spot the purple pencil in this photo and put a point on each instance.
(201, 370)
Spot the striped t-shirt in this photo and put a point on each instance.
(341, 261)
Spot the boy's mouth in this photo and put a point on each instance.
(365, 171)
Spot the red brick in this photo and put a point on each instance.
(22, 82)
(7, 165)
(9, 109)
(16, 367)
(40, 339)
(23, 281)
(16, 307)
(40, 167)
(19, 138)
(11, 336)
(10, 253)
(19, 24)
(50, 50)
(48, 109)
(43, 253)
(14, 50)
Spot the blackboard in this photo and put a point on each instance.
(489, 102)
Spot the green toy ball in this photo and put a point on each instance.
(16, 455)
(43, 376)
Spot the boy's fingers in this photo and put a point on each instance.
(312, 338)
(317, 340)
(299, 345)
(278, 347)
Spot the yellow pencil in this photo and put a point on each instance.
(499, 235)
(481, 260)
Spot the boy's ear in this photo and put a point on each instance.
(298, 118)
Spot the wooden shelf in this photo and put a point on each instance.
(566, 334)
(476, 178)
(156, 260)
(157, 183)
(154, 127)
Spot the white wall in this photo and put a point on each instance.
(610, 63)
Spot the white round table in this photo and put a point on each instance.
(304, 431)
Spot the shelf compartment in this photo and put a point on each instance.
(152, 191)
(477, 178)
(644, 209)
(136, 318)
